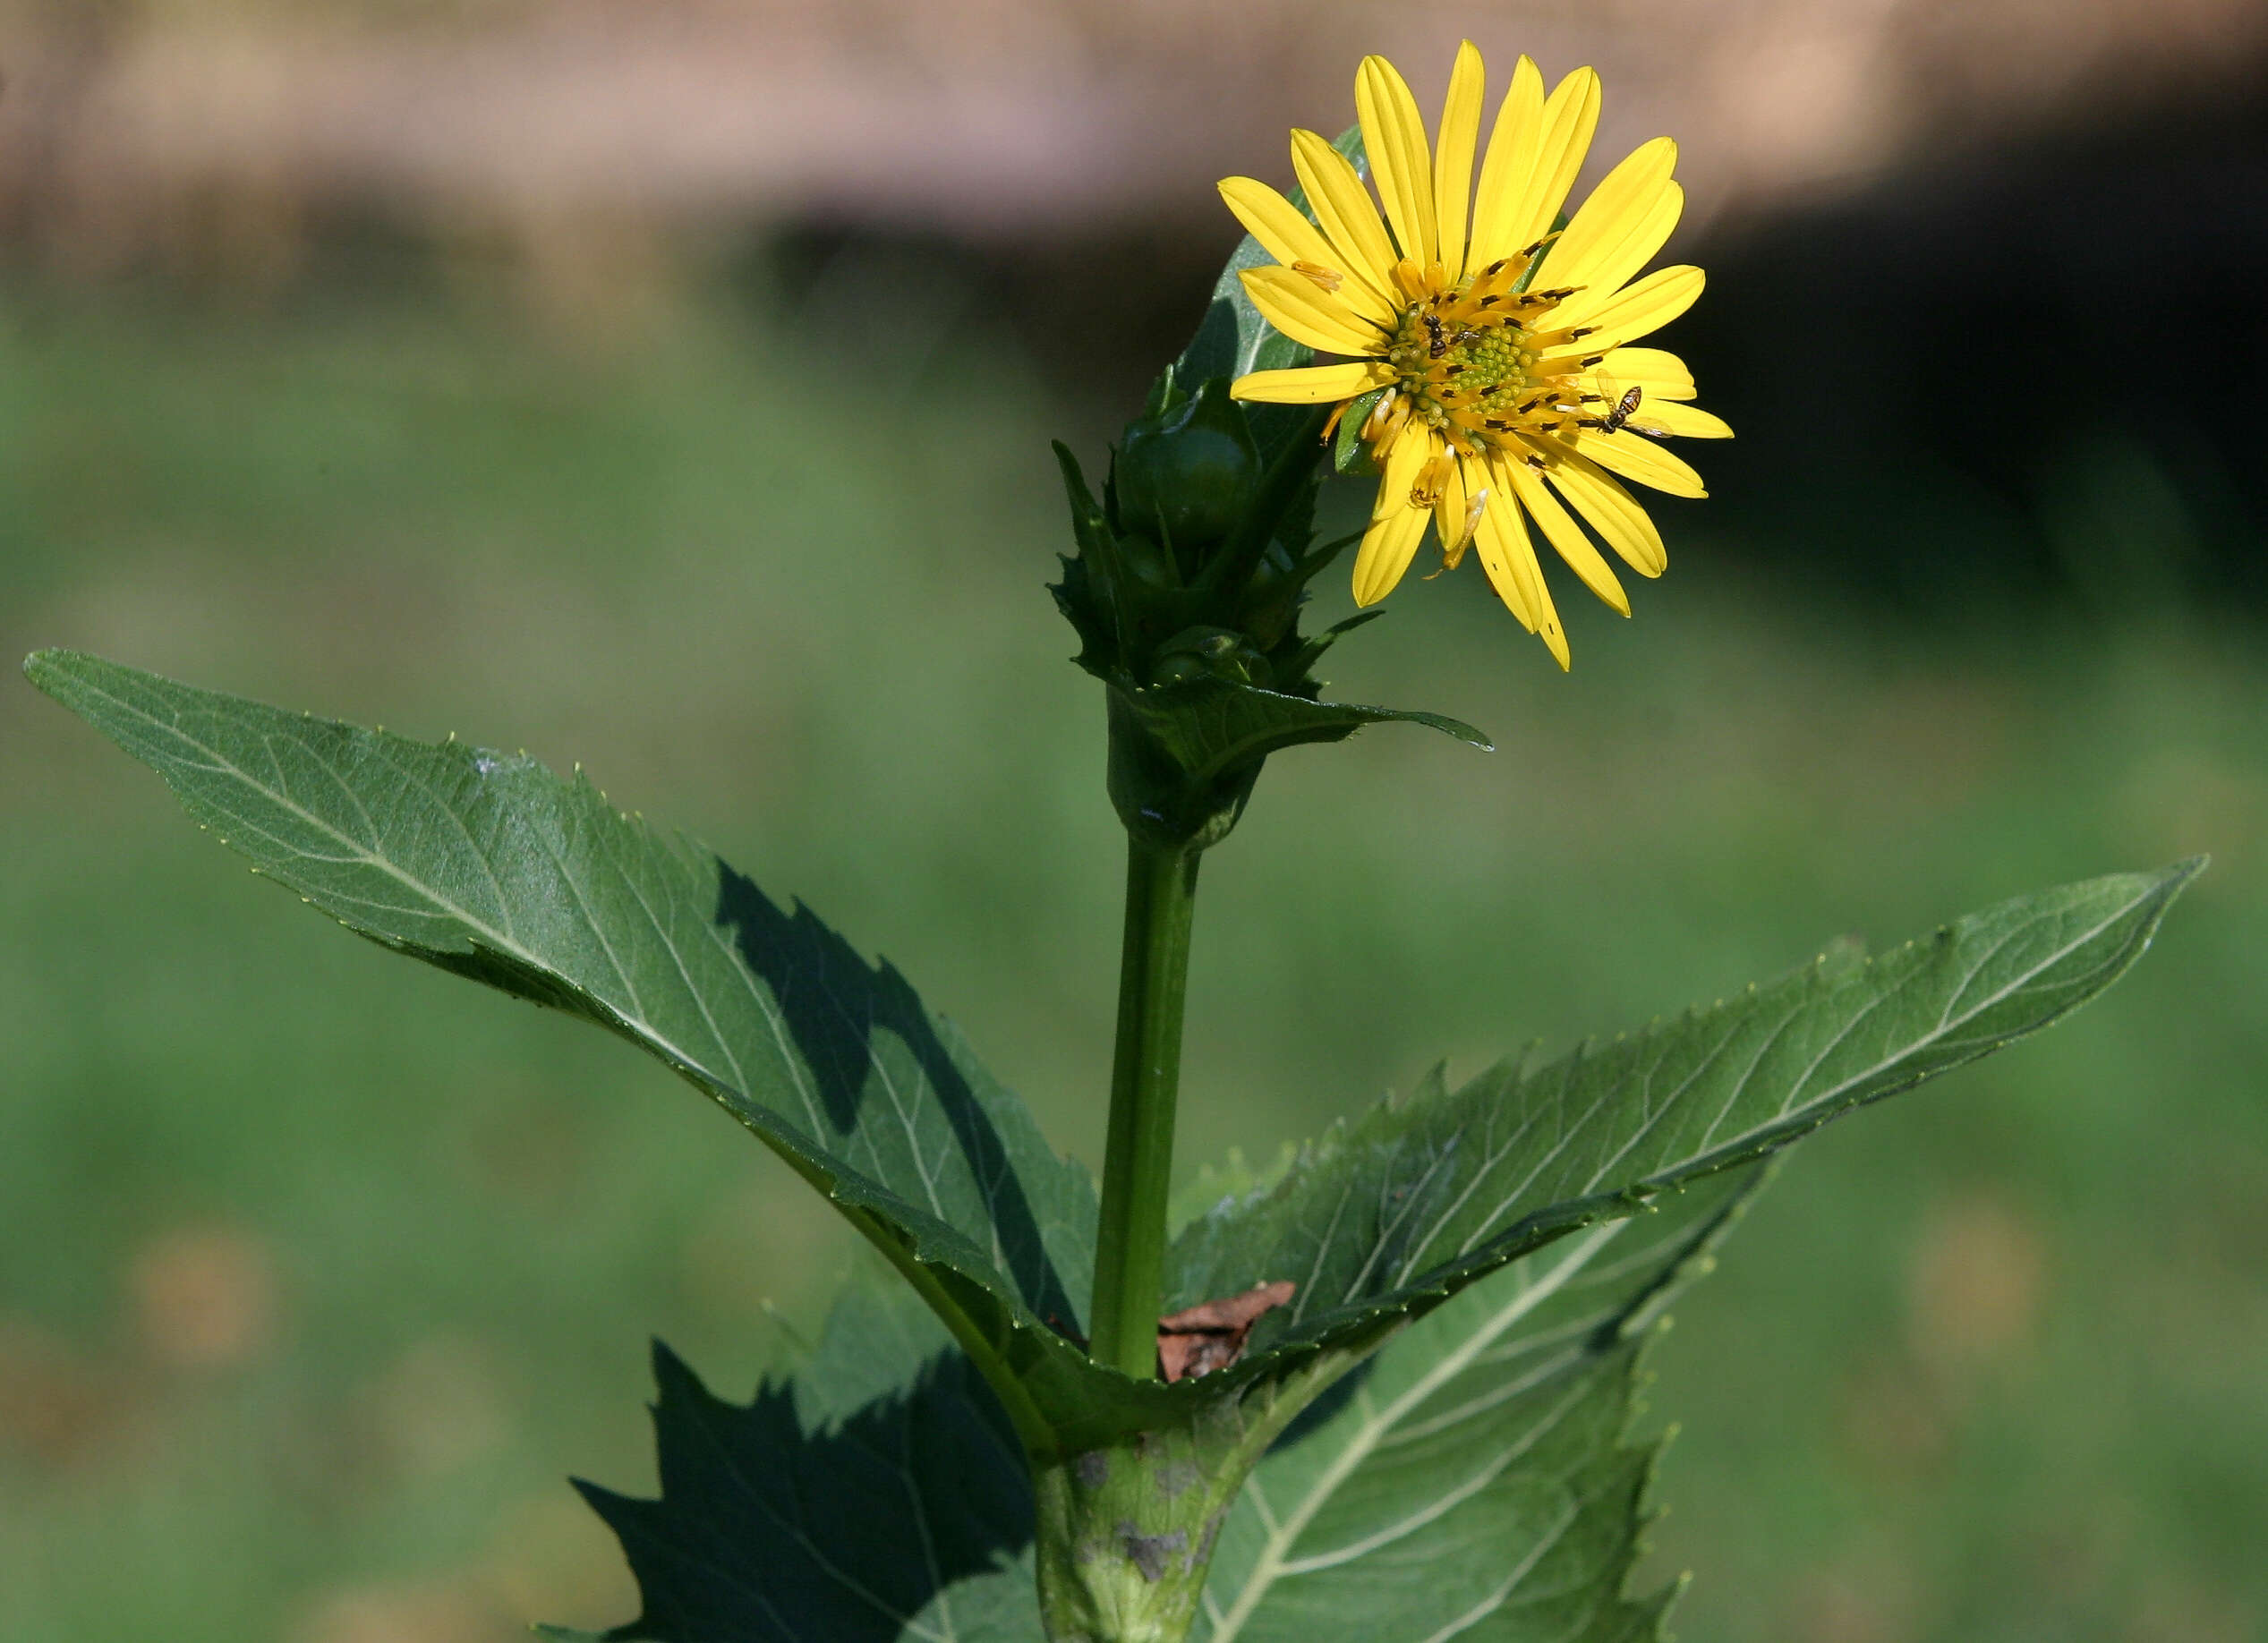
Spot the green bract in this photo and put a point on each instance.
(1199, 644)
(1189, 470)
(1207, 672)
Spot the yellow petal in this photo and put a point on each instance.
(1449, 512)
(1613, 269)
(1647, 306)
(1395, 526)
(1285, 233)
(1501, 539)
(1565, 534)
(1296, 306)
(1387, 549)
(1618, 209)
(1480, 490)
(1453, 156)
(1570, 117)
(1510, 560)
(1686, 421)
(1663, 375)
(1615, 514)
(1503, 171)
(1343, 206)
(1312, 384)
(1400, 163)
(1635, 457)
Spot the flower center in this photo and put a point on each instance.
(1469, 360)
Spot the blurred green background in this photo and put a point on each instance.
(319, 1270)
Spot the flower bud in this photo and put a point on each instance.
(1189, 470)
(1211, 652)
(1146, 559)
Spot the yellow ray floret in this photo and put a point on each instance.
(1662, 375)
(1513, 390)
(1297, 243)
(1304, 312)
(1565, 536)
(1643, 460)
(1625, 210)
(1453, 157)
(1315, 385)
(1398, 524)
(1607, 321)
(1401, 159)
(1342, 207)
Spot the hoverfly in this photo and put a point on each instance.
(1622, 410)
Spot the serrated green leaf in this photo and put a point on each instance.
(1224, 1180)
(1212, 726)
(488, 865)
(1419, 1198)
(1475, 1478)
(877, 1495)
(795, 1515)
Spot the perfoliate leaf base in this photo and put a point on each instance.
(1126, 1530)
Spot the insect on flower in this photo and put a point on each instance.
(1623, 414)
(1514, 388)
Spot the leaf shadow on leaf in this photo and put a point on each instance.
(833, 1004)
(776, 1520)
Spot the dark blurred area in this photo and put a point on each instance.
(667, 386)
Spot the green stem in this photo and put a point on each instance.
(1146, 1075)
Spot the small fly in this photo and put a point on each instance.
(1626, 407)
(1625, 412)
(1440, 339)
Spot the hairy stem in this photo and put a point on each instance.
(1146, 1075)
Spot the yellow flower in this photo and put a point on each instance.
(1509, 390)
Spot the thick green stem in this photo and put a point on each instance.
(1146, 1074)
(1125, 1531)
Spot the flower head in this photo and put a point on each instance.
(1488, 356)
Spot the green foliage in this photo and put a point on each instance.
(1477, 1477)
(1233, 338)
(1191, 570)
(196, 485)
(1349, 455)
(1212, 726)
(1187, 473)
(488, 865)
(1479, 1462)
(1186, 754)
(1418, 1198)
(492, 867)
(875, 1495)
(1206, 670)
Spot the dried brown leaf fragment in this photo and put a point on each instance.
(1211, 1335)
